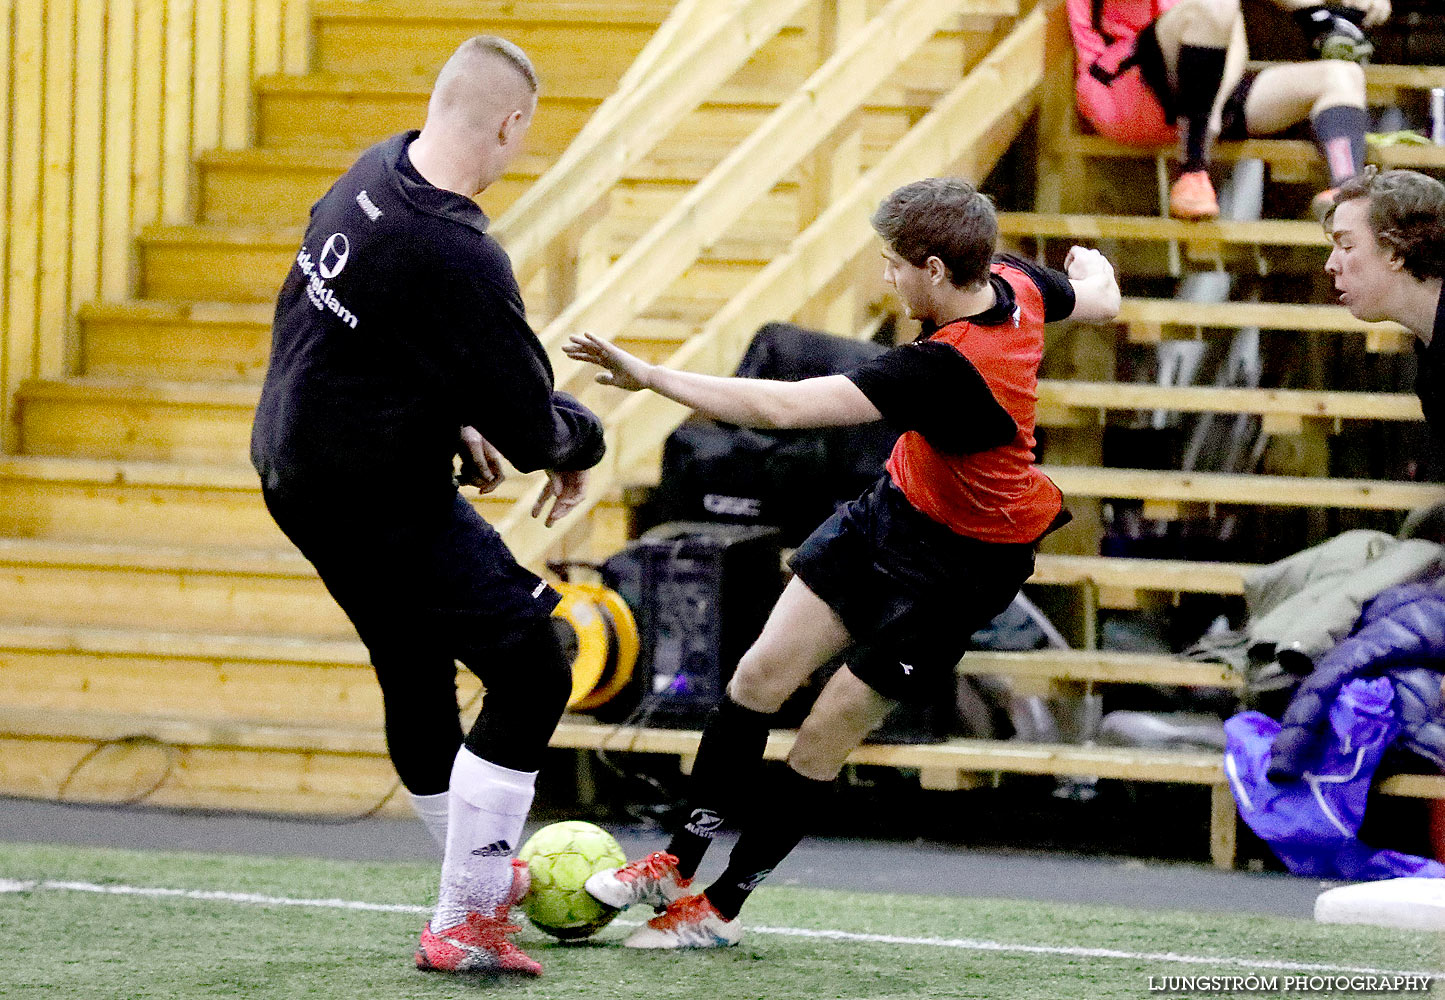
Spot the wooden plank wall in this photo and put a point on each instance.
(104, 107)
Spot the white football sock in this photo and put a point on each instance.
(433, 812)
(488, 807)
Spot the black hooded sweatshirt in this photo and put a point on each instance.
(400, 322)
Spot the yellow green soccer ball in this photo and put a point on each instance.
(560, 858)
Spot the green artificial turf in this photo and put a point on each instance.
(58, 943)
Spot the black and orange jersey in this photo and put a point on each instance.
(964, 397)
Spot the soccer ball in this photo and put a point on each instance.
(560, 858)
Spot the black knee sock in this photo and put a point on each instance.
(724, 772)
(1200, 72)
(790, 806)
(1340, 134)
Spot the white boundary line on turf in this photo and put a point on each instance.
(963, 944)
(50, 885)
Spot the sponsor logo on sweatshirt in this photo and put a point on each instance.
(321, 269)
(368, 206)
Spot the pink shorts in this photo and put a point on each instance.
(1126, 110)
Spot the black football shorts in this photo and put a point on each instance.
(413, 575)
(909, 590)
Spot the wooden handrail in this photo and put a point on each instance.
(967, 131)
(699, 47)
(753, 168)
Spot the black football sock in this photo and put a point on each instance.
(725, 771)
(789, 807)
(1340, 134)
(1200, 72)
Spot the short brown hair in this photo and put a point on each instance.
(1407, 216)
(942, 217)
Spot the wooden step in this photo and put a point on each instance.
(138, 420)
(1148, 320)
(1102, 666)
(164, 503)
(321, 111)
(276, 187)
(182, 341)
(1289, 157)
(272, 189)
(588, 40)
(329, 111)
(295, 681)
(1082, 404)
(154, 420)
(169, 588)
(1260, 232)
(1120, 582)
(1166, 494)
(362, 36)
(230, 341)
(214, 764)
(258, 738)
(91, 756)
(127, 669)
(237, 590)
(215, 263)
(249, 263)
(268, 187)
(231, 764)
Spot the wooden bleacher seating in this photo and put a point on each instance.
(189, 421)
(296, 767)
(149, 606)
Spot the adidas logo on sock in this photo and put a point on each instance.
(496, 849)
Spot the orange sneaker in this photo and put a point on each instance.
(689, 922)
(477, 944)
(1192, 197)
(653, 880)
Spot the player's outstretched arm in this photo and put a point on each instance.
(829, 401)
(1096, 291)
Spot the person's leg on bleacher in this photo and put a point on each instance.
(1203, 47)
(1330, 93)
